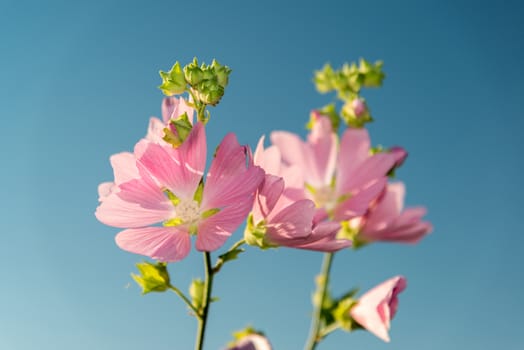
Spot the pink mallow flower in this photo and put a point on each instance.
(277, 220)
(169, 191)
(378, 306)
(341, 179)
(388, 221)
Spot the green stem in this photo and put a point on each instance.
(208, 284)
(185, 299)
(329, 329)
(315, 335)
(220, 260)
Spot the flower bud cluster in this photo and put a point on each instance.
(205, 82)
(347, 82)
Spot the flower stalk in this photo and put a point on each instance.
(208, 286)
(315, 334)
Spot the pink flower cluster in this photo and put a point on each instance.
(299, 194)
(313, 186)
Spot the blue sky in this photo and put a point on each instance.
(78, 83)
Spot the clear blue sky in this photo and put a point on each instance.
(78, 83)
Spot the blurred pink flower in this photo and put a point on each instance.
(167, 191)
(342, 180)
(378, 306)
(252, 342)
(387, 221)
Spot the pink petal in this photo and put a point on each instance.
(104, 190)
(267, 196)
(180, 170)
(359, 203)
(387, 209)
(354, 150)
(124, 167)
(372, 168)
(295, 220)
(155, 130)
(323, 143)
(215, 230)
(160, 243)
(411, 234)
(268, 159)
(173, 107)
(323, 238)
(228, 179)
(114, 211)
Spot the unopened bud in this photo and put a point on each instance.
(173, 82)
(152, 277)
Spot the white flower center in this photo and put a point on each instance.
(188, 210)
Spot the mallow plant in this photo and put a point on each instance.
(331, 192)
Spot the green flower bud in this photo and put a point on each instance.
(221, 73)
(356, 113)
(210, 92)
(324, 79)
(372, 75)
(196, 291)
(193, 74)
(152, 277)
(173, 82)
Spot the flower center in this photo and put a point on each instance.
(325, 197)
(188, 211)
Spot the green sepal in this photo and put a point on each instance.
(199, 192)
(351, 234)
(152, 277)
(255, 234)
(183, 128)
(210, 212)
(173, 222)
(341, 312)
(173, 82)
(172, 197)
(346, 231)
(196, 291)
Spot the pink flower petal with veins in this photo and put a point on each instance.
(215, 230)
(166, 244)
(180, 170)
(229, 178)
